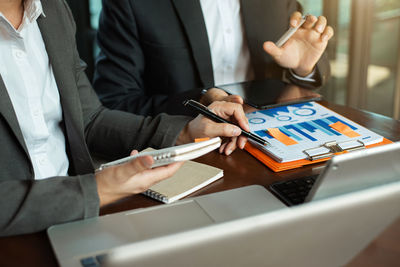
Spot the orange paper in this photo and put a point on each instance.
(281, 137)
(344, 129)
(201, 139)
(283, 166)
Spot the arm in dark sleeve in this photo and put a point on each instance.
(29, 206)
(120, 67)
(113, 133)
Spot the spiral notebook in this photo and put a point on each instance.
(191, 177)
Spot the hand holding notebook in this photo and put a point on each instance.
(172, 154)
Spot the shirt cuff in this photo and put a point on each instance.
(308, 78)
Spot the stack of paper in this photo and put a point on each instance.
(297, 131)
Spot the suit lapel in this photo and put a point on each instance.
(61, 61)
(258, 26)
(58, 56)
(191, 15)
(7, 110)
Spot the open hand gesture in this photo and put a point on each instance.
(303, 50)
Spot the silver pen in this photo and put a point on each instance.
(285, 37)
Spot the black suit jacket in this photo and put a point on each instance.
(29, 205)
(154, 54)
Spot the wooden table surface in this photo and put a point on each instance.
(240, 169)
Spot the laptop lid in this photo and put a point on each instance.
(75, 241)
(329, 232)
(357, 170)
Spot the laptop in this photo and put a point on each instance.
(329, 233)
(344, 174)
(89, 242)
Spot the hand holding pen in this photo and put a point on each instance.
(207, 112)
(302, 45)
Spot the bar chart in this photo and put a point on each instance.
(309, 125)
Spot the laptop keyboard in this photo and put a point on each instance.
(93, 261)
(293, 192)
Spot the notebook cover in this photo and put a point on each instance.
(191, 177)
(277, 167)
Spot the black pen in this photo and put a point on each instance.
(203, 110)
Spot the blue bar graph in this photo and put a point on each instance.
(263, 133)
(300, 131)
(288, 133)
(326, 126)
(307, 126)
(333, 119)
(306, 130)
(321, 128)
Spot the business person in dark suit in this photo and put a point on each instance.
(154, 54)
(50, 118)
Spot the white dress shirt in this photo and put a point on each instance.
(229, 49)
(29, 79)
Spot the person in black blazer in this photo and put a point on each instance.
(31, 201)
(155, 54)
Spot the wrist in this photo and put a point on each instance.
(104, 190)
(303, 72)
(212, 94)
(184, 137)
(103, 196)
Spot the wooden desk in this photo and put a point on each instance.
(240, 169)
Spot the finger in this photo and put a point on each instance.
(134, 152)
(142, 163)
(231, 146)
(240, 117)
(153, 176)
(234, 99)
(273, 50)
(222, 148)
(231, 110)
(222, 129)
(242, 142)
(328, 34)
(295, 19)
(310, 21)
(320, 25)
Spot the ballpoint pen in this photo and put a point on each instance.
(200, 108)
(286, 36)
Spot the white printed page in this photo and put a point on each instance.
(307, 125)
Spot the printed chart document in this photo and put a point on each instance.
(300, 131)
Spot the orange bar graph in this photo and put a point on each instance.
(281, 137)
(344, 129)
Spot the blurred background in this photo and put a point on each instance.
(364, 54)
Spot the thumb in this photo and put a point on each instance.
(272, 49)
(224, 130)
(141, 163)
(234, 99)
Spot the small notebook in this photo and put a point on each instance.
(191, 177)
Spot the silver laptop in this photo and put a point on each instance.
(328, 233)
(344, 174)
(85, 243)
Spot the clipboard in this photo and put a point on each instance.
(278, 167)
(300, 141)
